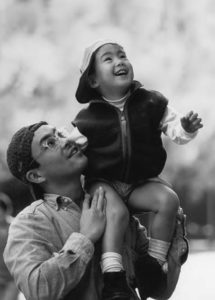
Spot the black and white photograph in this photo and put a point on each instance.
(107, 164)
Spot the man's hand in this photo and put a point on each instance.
(93, 219)
(191, 122)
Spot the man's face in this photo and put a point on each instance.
(60, 159)
(113, 71)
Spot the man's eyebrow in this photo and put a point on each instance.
(53, 131)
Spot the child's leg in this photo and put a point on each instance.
(117, 217)
(164, 202)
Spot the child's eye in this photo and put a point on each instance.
(122, 56)
(107, 59)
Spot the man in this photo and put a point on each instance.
(53, 248)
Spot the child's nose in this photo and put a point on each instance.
(118, 61)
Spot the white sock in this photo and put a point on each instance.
(158, 249)
(111, 262)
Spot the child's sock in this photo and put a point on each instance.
(158, 249)
(111, 262)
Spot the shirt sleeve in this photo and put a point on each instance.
(171, 127)
(40, 270)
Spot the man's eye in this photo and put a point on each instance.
(51, 142)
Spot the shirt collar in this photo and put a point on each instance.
(58, 201)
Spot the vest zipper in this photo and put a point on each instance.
(125, 145)
(124, 135)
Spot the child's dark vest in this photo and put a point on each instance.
(124, 146)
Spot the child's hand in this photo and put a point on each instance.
(191, 122)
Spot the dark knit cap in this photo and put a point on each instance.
(19, 156)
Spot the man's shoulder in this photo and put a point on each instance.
(35, 208)
(35, 213)
(30, 209)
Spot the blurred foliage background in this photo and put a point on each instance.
(171, 45)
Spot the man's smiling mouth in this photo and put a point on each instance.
(74, 149)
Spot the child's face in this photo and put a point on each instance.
(113, 71)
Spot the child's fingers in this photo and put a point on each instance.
(197, 123)
(193, 117)
(189, 115)
(200, 126)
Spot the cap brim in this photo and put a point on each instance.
(85, 92)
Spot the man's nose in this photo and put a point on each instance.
(67, 142)
(79, 140)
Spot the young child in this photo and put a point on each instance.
(123, 124)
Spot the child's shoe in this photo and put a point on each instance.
(115, 286)
(151, 276)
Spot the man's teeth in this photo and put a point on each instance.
(74, 150)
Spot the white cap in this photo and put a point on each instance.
(91, 49)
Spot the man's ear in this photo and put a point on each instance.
(93, 82)
(34, 176)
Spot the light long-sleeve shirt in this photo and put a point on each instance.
(51, 260)
(171, 127)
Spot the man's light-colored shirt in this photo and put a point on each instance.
(50, 260)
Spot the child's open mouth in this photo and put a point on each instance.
(121, 72)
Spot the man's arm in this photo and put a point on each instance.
(41, 271)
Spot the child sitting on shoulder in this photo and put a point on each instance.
(123, 124)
